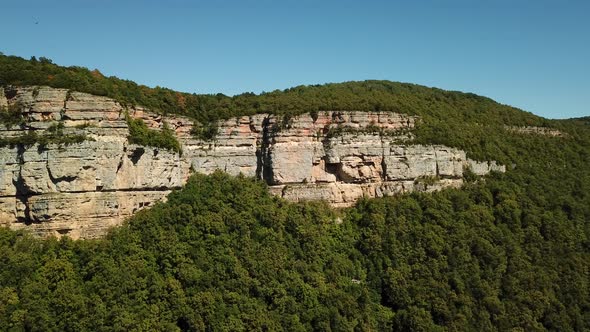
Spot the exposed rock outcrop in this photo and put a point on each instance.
(84, 188)
(544, 131)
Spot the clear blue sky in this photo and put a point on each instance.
(534, 54)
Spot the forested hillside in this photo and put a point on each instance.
(351, 96)
(508, 252)
(223, 255)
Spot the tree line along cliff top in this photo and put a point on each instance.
(371, 95)
(463, 120)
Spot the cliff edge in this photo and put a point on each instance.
(84, 187)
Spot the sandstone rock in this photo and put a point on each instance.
(85, 215)
(41, 103)
(83, 106)
(291, 162)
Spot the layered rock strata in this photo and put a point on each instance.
(79, 189)
(84, 188)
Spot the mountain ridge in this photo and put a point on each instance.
(18, 71)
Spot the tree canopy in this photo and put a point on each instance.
(368, 95)
(224, 255)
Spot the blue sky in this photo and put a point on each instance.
(534, 55)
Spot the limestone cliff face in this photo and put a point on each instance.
(79, 189)
(84, 188)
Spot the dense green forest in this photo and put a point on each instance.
(223, 255)
(509, 252)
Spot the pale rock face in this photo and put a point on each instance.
(291, 162)
(81, 215)
(3, 101)
(85, 186)
(233, 150)
(410, 162)
(83, 189)
(483, 168)
(82, 106)
(41, 103)
(319, 173)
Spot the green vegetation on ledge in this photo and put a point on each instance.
(11, 116)
(53, 135)
(140, 134)
(206, 131)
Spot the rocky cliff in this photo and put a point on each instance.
(83, 188)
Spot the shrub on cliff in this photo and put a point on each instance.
(140, 134)
(11, 116)
(53, 135)
(205, 132)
